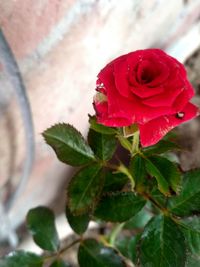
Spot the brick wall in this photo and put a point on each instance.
(60, 45)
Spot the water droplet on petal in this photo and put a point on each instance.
(180, 115)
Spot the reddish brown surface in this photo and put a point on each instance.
(27, 23)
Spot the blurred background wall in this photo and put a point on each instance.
(60, 46)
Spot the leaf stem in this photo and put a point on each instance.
(62, 251)
(115, 232)
(135, 143)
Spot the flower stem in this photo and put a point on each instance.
(135, 143)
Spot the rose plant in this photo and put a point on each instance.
(148, 206)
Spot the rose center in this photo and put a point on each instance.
(146, 76)
(146, 72)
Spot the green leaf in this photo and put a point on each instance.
(191, 230)
(21, 259)
(78, 223)
(159, 197)
(59, 263)
(162, 147)
(188, 202)
(41, 224)
(93, 254)
(103, 145)
(162, 244)
(128, 246)
(68, 144)
(163, 185)
(119, 206)
(133, 248)
(84, 189)
(114, 181)
(101, 128)
(139, 220)
(138, 171)
(169, 170)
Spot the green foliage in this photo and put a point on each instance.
(101, 128)
(157, 205)
(68, 144)
(162, 244)
(85, 188)
(138, 171)
(119, 206)
(191, 230)
(21, 259)
(161, 147)
(139, 220)
(91, 253)
(103, 145)
(114, 181)
(59, 263)
(128, 247)
(78, 223)
(40, 222)
(188, 201)
(167, 174)
(170, 172)
(153, 171)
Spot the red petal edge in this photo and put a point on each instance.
(154, 130)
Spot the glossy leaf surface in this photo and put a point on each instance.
(41, 224)
(188, 201)
(21, 259)
(68, 144)
(119, 206)
(84, 189)
(103, 145)
(91, 253)
(78, 223)
(162, 244)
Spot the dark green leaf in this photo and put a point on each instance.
(163, 185)
(100, 128)
(40, 222)
(21, 259)
(68, 144)
(188, 202)
(191, 230)
(128, 246)
(85, 188)
(133, 248)
(162, 147)
(137, 169)
(169, 171)
(114, 181)
(139, 220)
(159, 197)
(78, 223)
(119, 206)
(93, 254)
(162, 244)
(103, 145)
(59, 263)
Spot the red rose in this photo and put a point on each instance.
(146, 87)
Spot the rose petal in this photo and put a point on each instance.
(166, 99)
(153, 131)
(121, 76)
